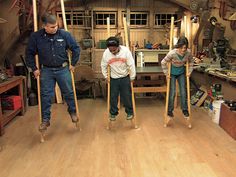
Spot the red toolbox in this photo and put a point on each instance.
(11, 102)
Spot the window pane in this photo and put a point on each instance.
(67, 16)
(138, 16)
(99, 22)
(163, 22)
(132, 16)
(169, 16)
(144, 16)
(138, 22)
(99, 16)
(112, 16)
(112, 22)
(144, 22)
(68, 21)
(132, 22)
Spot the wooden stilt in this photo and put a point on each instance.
(71, 72)
(108, 97)
(188, 120)
(134, 120)
(37, 65)
(166, 117)
(108, 81)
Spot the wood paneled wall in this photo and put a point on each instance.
(151, 33)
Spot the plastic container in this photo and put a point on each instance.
(32, 99)
(216, 110)
(102, 44)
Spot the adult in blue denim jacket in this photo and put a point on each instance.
(51, 45)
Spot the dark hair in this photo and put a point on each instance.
(181, 42)
(49, 18)
(112, 41)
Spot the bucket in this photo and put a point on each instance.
(216, 110)
(32, 99)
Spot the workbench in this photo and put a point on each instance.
(149, 57)
(149, 80)
(7, 115)
(208, 78)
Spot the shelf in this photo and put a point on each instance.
(9, 114)
(231, 56)
(87, 63)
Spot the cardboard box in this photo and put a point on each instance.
(228, 120)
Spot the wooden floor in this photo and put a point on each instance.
(150, 151)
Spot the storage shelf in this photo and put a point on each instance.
(9, 114)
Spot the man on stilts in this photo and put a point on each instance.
(51, 45)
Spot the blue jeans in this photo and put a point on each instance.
(48, 79)
(121, 86)
(182, 88)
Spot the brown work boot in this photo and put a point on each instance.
(74, 118)
(43, 126)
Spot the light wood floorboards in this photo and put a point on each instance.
(206, 150)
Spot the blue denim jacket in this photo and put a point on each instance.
(51, 49)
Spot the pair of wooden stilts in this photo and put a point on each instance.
(109, 122)
(166, 117)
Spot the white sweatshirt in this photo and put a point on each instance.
(120, 64)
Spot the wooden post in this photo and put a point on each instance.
(185, 26)
(126, 32)
(108, 27)
(72, 74)
(37, 65)
(166, 119)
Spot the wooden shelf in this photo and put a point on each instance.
(7, 116)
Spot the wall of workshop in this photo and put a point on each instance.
(9, 32)
(150, 33)
(229, 33)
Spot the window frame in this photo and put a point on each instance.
(78, 16)
(103, 18)
(167, 19)
(136, 13)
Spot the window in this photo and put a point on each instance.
(163, 19)
(101, 19)
(138, 19)
(76, 18)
